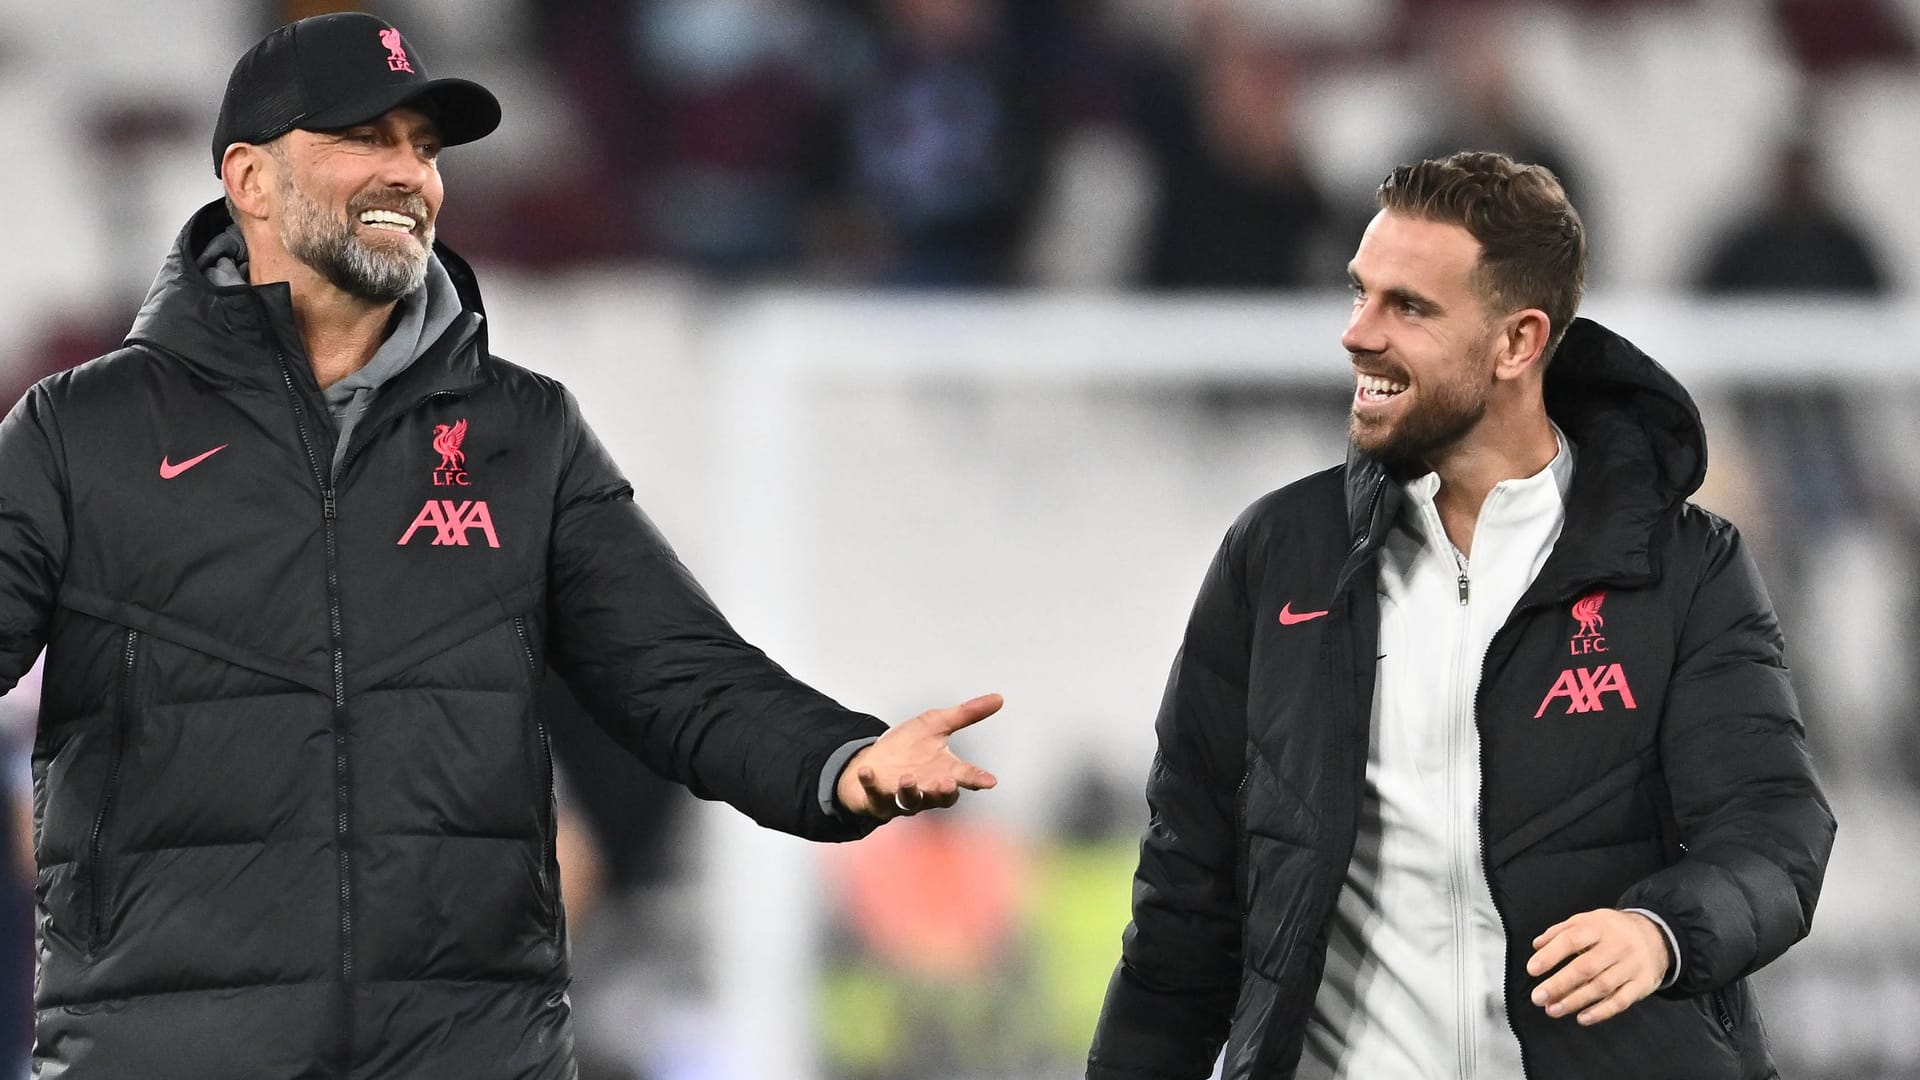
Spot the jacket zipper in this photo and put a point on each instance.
(96, 888)
(1456, 871)
(342, 794)
(1366, 530)
(1723, 1012)
(548, 893)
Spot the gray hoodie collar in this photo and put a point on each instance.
(419, 320)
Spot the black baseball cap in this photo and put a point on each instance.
(334, 71)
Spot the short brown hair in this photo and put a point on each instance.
(1533, 249)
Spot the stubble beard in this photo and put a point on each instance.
(329, 245)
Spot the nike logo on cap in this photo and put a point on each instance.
(1288, 616)
(168, 470)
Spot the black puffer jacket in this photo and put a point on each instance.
(1689, 794)
(293, 808)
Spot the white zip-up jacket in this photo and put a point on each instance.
(1413, 980)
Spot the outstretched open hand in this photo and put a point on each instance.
(911, 768)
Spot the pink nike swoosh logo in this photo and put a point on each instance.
(168, 470)
(1288, 618)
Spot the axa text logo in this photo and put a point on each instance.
(453, 461)
(451, 521)
(1586, 688)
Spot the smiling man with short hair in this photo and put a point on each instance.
(1479, 760)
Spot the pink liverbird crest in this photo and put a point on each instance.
(447, 440)
(1587, 610)
(396, 55)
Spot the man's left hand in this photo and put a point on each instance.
(1613, 959)
(910, 768)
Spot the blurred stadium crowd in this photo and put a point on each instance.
(1150, 146)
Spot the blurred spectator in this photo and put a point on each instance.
(1827, 35)
(64, 342)
(1080, 905)
(1238, 207)
(943, 144)
(1798, 241)
(964, 953)
(736, 101)
(1092, 215)
(1468, 49)
(929, 980)
(716, 122)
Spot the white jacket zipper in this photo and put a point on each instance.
(1460, 715)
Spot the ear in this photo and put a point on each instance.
(1520, 344)
(247, 171)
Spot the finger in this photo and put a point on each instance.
(1613, 1005)
(1550, 931)
(880, 803)
(947, 721)
(1570, 978)
(1572, 940)
(1595, 990)
(909, 799)
(972, 777)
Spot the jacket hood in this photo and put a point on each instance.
(1642, 451)
(225, 330)
(1600, 386)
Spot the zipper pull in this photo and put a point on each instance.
(1463, 589)
(332, 511)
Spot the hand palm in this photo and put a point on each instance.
(912, 767)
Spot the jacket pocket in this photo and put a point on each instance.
(1721, 1005)
(99, 891)
(544, 798)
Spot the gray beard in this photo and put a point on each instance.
(328, 245)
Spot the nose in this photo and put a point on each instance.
(403, 167)
(1364, 331)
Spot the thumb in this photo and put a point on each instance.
(949, 720)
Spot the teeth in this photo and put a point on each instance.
(387, 219)
(1379, 385)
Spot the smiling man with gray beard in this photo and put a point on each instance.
(302, 554)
